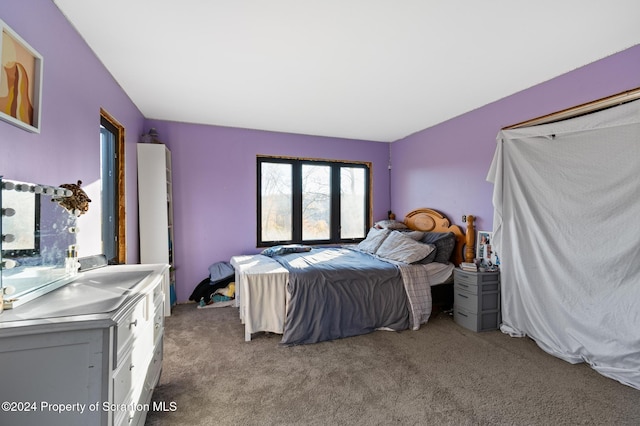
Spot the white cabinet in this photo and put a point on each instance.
(44, 369)
(75, 366)
(155, 210)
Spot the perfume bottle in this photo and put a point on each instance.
(71, 264)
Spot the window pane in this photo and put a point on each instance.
(353, 200)
(276, 193)
(316, 202)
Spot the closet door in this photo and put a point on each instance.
(565, 228)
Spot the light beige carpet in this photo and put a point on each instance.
(442, 374)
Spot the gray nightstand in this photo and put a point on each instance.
(476, 300)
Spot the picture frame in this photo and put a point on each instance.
(20, 81)
(484, 249)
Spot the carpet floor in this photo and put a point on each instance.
(441, 374)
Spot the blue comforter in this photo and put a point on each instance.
(339, 292)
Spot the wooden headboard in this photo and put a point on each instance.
(429, 220)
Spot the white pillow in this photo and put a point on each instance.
(401, 248)
(374, 239)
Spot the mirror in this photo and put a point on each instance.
(24, 227)
(38, 236)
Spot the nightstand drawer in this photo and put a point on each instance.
(476, 322)
(475, 303)
(463, 286)
(465, 300)
(488, 280)
(490, 287)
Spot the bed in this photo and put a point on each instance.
(317, 294)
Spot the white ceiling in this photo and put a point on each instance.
(377, 70)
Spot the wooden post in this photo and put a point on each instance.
(470, 248)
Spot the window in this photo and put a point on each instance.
(109, 179)
(312, 201)
(113, 187)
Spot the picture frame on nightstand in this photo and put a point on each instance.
(484, 248)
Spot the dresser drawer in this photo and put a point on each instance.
(128, 327)
(122, 380)
(158, 318)
(476, 322)
(155, 368)
(158, 289)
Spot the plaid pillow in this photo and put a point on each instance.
(401, 248)
(374, 239)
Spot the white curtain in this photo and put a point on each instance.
(567, 231)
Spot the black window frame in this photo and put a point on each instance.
(296, 208)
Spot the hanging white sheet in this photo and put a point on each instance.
(567, 230)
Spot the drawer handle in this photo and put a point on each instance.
(462, 285)
(462, 295)
(460, 313)
(133, 324)
(131, 367)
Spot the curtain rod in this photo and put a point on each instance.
(619, 98)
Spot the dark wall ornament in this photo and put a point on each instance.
(77, 203)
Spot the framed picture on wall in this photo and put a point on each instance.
(20, 81)
(484, 249)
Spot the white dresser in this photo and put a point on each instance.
(88, 353)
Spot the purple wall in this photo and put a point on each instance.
(214, 184)
(75, 87)
(445, 166)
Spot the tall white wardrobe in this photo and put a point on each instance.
(155, 210)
